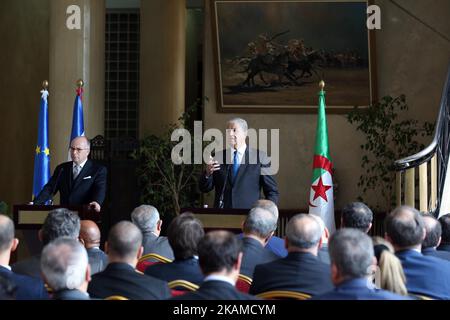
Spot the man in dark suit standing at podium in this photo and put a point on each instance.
(239, 173)
(79, 182)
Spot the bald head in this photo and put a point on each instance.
(124, 242)
(405, 228)
(89, 234)
(260, 223)
(267, 205)
(6, 232)
(433, 231)
(79, 149)
(303, 233)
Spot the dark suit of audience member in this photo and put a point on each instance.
(58, 223)
(254, 254)
(436, 253)
(184, 233)
(301, 270)
(425, 275)
(28, 288)
(323, 254)
(358, 289)
(65, 268)
(90, 238)
(352, 258)
(123, 280)
(220, 258)
(147, 219)
(242, 173)
(124, 248)
(443, 247)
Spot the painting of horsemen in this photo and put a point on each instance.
(271, 55)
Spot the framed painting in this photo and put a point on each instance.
(271, 55)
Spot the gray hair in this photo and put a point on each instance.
(241, 122)
(145, 217)
(6, 232)
(267, 205)
(303, 231)
(320, 222)
(60, 222)
(351, 250)
(260, 222)
(64, 262)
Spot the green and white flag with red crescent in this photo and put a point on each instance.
(321, 201)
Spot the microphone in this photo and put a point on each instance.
(56, 185)
(221, 203)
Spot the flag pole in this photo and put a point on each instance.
(321, 84)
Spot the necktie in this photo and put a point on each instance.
(235, 165)
(76, 171)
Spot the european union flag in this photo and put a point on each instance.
(42, 156)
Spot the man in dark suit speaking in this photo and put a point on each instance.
(238, 173)
(80, 181)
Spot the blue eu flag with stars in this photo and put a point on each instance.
(42, 151)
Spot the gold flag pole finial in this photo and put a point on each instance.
(45, 84)
(80, 83)
(321, 84)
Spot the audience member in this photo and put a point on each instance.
(220, 256)
(301, 270)
(65, 269)
(90, 238)
(352, 265)
(124, 248)
(258, 228)
(146, 218)
(323, 254)
(184, 233)
(425, 275)
(58, 223)
(358, 216)
(445, 225)
(433, 232)
(27, 288)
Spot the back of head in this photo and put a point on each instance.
(184, 233)
(124, 241)
(60, 223)
(64, 262)
(145, 217)
(89, 233)
(6, 232)
(267, 205)
(445, 224)
(218, 250)
(390, 274)
(433, 231)
(405, 227)
(351, 251)
(303, 232)
(260, 223)
(357, 215)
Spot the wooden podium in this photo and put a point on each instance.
(31, 217)
(232, 219)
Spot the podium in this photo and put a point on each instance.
(232, 219)
(31, 217)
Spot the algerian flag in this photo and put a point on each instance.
(321, 200)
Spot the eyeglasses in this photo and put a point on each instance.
(77, 149)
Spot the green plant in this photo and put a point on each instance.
(389, 137)
(163, 184)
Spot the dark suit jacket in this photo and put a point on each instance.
(30, 267)
(97, 259)
(159, 245)
(435, 253)
(245, 190)
(82, 190)
(323, 254)
(70, 295)
(28, 288)
(444, 247)
(425, 275)
(358, 289)
(301, 272)
(276, 245)
(253, 254)
(123, 280)
(215, 290)
(188, 270)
